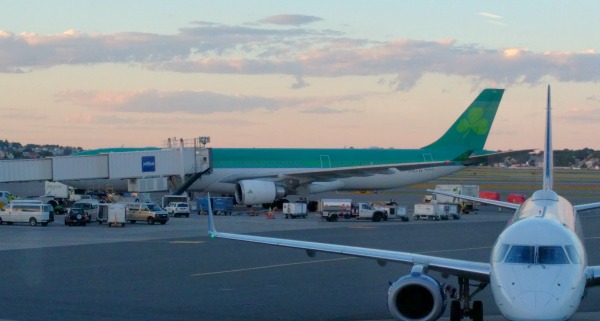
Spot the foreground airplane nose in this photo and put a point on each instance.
(536, 299)
(538, 305)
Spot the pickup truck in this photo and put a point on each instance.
(333, 209)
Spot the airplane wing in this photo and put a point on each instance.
(586, 207)
(476, 158)
(468, 269)
(508, 205)
(593, 276)
(328, 174)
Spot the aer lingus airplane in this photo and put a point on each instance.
(537, 270)
(263, 175)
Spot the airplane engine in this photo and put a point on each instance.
(252, 192)
(416, 297)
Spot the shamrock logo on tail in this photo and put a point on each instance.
(474, 123)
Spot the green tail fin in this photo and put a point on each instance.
(470, 131)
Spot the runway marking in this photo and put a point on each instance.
(272, 266)
(186, 242)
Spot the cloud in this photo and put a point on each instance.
(189, 102)
(290, 19)
(489, 15)
(212, 48)
(327, 110)
(154, 101)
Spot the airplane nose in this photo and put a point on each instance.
(536, 299)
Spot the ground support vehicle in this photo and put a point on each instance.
(168, 199)
(333, 209)
(393, 211)
(177, 209)
(148, 212)
(31, 212)
(113, 214)
(464, 206)
(89, 206)
(516, 198)
(293, 210)
(76, 216)
(220, 205)
(435, 212)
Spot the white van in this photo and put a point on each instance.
(146, 212)
(32, 212)
(89, 206)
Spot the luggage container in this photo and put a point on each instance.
(113, 214)
(293, 210)
(220, 205)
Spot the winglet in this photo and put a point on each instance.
(548, 154)
(212, 231)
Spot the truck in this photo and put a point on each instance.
(167, 199)
(219, 205)
(112, 213)
(60, 196)
(435, 212)
(393, 210)
(293, 210)
(464, 206)
(332, 209)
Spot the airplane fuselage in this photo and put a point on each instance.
(538, 262)
(213, 182)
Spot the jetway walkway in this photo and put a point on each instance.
(144, 169)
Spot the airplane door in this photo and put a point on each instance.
(325, 161)
(427, 157)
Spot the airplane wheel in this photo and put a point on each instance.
(477, 312)
(455, 311)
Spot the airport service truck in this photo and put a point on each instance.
(435, 212)
(332, 209)
(393, 210)
(293, 210)
(464, 206)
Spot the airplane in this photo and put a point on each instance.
(537, 270)
(264, 175)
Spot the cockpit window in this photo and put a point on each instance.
(501, 253)
(525, 254)
(552, 255)
(521, 254)
(572, 252)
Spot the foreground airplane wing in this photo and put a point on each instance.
(508, 205)
(468, 269)
(325, 174)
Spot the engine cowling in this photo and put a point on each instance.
(252, 192)
(415, 297)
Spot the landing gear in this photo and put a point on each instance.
(461, 308)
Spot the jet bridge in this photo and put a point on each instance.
(134, 170)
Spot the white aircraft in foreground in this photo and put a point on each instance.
(537, 270)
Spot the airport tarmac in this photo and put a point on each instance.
(176, 272)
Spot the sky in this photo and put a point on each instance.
(331, 74)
